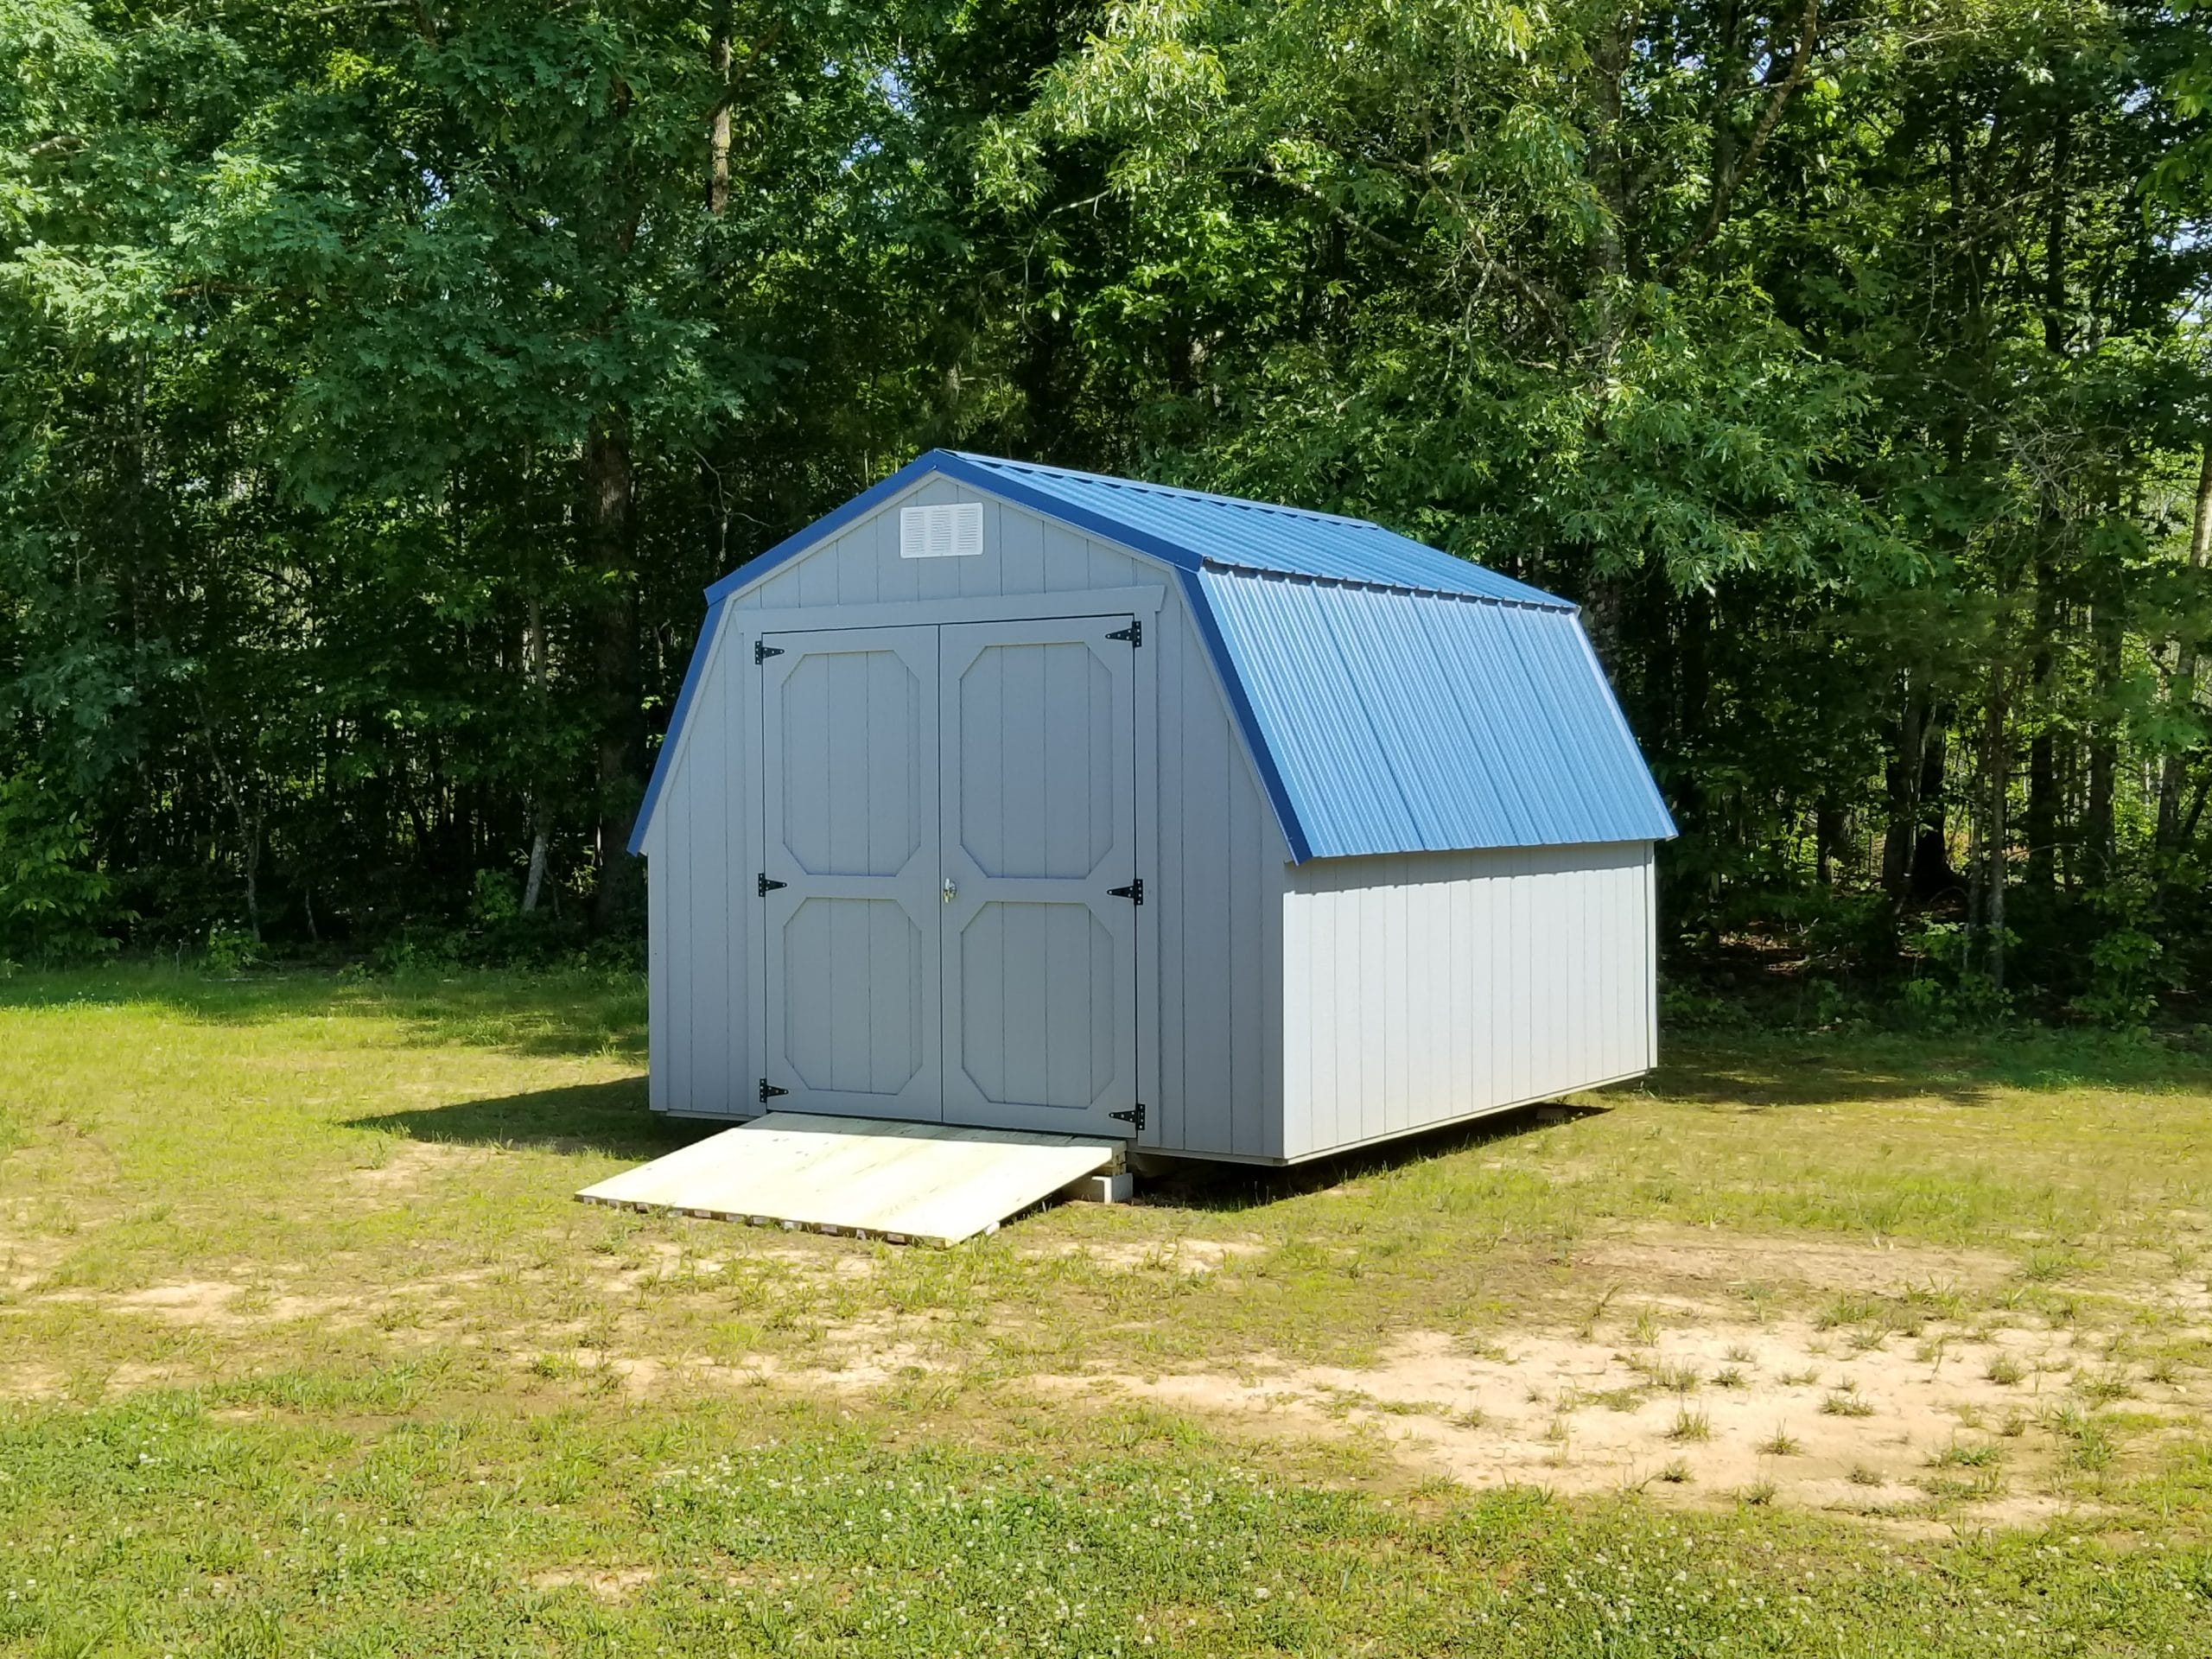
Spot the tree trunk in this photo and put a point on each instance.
(2041, 822)
(1903, 780)
(608, 506)
(540, 807)
(1998, 738)
(719, 55)
(2098, 845)
(2173, 775)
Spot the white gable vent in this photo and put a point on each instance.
(951, 532)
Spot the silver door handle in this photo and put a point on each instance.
(949, 889)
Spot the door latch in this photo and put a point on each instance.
(948, 890)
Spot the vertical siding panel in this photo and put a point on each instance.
(1209, 1119)
(735, 919)
(660, 880)
(1246, 1071)
(1177, 697)
(1300, 958)
(1651, 957)
(1624, 912)
(1020, 544)
(1273, 866)
(1400, 988)
(712, 912)
(1066, 560)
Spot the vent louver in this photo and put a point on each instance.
(947, 532)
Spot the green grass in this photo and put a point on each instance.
(305, 1347)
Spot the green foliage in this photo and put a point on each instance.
(54, 900)
(384, 384)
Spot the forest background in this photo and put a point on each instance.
(381, 382)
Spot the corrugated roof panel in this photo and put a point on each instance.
(1401, 723)
(1253, 535)
(1341, 793)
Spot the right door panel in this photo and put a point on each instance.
(1038, 722)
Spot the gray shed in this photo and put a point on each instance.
(1022, 798)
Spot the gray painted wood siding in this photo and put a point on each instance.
(1429, 987)
(698, 881)
(1222, 869)
(1210, 933)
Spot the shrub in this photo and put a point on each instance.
(54, 898)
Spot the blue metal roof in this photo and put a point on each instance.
(1395, 698)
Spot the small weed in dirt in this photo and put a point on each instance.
(1967, 1454)
(1804, 1379)
(2004, 1370)
(1694, 1426)
(2165, 1371)
(1758, 1494)
(1739, 1355)
(1673, 1377)
(2104, 1387)
(1676, 1473)
(1840, 1404)
(1728, 1377)
(1781, 1444)
(1860, 1475)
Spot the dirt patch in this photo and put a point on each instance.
(1694, 1388)
(1704, 1261)
(198, 1301)
(1706, 1415)
(412, 1165)
(608, 1583)
(22, 1382)
(1190, 1255)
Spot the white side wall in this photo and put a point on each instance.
(1424, 988)
(1210, 933)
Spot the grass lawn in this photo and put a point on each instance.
(1815, 1345)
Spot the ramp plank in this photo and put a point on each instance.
(930, 1183)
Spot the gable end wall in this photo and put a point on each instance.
(1210, 1051)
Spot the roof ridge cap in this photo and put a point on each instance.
(1146, 487)
(1550, 602)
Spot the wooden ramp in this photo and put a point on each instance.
(910, 1183)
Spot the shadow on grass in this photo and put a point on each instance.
(1759, 1070)
(555, 1015)
(609, 1118)
(1196, 1184)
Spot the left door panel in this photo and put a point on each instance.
(849, 746)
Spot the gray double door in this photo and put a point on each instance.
(947, 812)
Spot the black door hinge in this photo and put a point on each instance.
(1134, 893)
(1134, 633)
(768, 886)
(1134, 1117)
(769, 1091)
(762, 651)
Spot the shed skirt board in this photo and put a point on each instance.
(948, 820)
(923, 1183)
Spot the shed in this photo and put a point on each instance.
(1016, 797)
